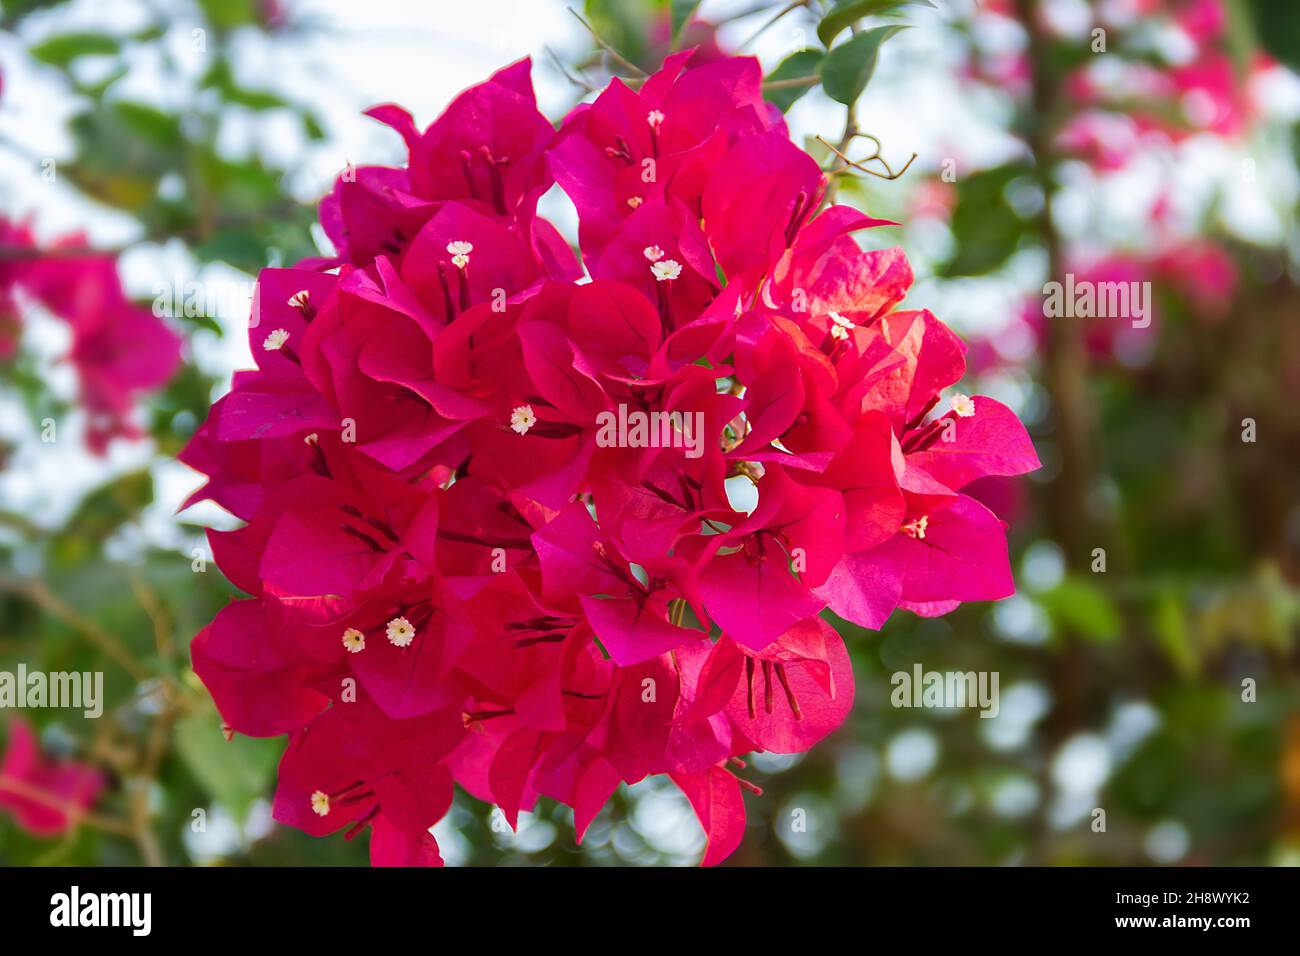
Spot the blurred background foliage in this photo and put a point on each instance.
(1120, 689)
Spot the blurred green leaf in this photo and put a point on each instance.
(98, 88)
(227, 14)
(220, 78)
(62, 50)
(628, 27)
(241, 248)
(1080, 606)
(682, 11)
(149, 123)
(1169, 623)
(986, 229)
(235, 772)
(105, 510)
(1277, 26)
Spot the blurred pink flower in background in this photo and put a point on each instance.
(119, 349)
(43, 794)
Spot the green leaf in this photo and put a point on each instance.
(1173, 631)
(1277, 27)
(312, 126)
(1080, 606)
(986, 229)
(62, 50)
(106, 509)
(798, 65)
(847, 12)
(123, 150)
(97, 89)
(235, 772)
(683, 10)
(849, 66)
(240, 247)
(229, 14)
(149, 123)
(221, 79)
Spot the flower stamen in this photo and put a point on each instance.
(963, 406)
(354, 641)
(522, 418)
(666, 270)
(916, 527)
(459, 251)
(400, 632)
(275, 341)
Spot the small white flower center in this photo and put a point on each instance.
(522, 419)
(354, 641)
(312, 439)
(400, 632)
(459, 251)
(963, 405)
(655, 119)
(300, 299)
(320, 803)
(840, 326)
(275, 341)
(635, 202)
(653, 253)
(666, 269)
(916, 527)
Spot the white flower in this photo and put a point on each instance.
(354, 641)
(522, 419)
(299, 299)
(320, 803)
(459, 251)
(634, 202)
(275, 341)
(400, 632)
(653, 253)
(667, 269)
(916, 527)
(963, 405)
(312, 439)
(654, 118)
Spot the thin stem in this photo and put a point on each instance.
(858, 164)
(564, 71)
(850, 130)
(600, 42)
(76, 814)
(51, 603)
(771, 22)
(791, 82)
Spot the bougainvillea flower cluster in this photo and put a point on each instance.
(455, 577)
(119, 349)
